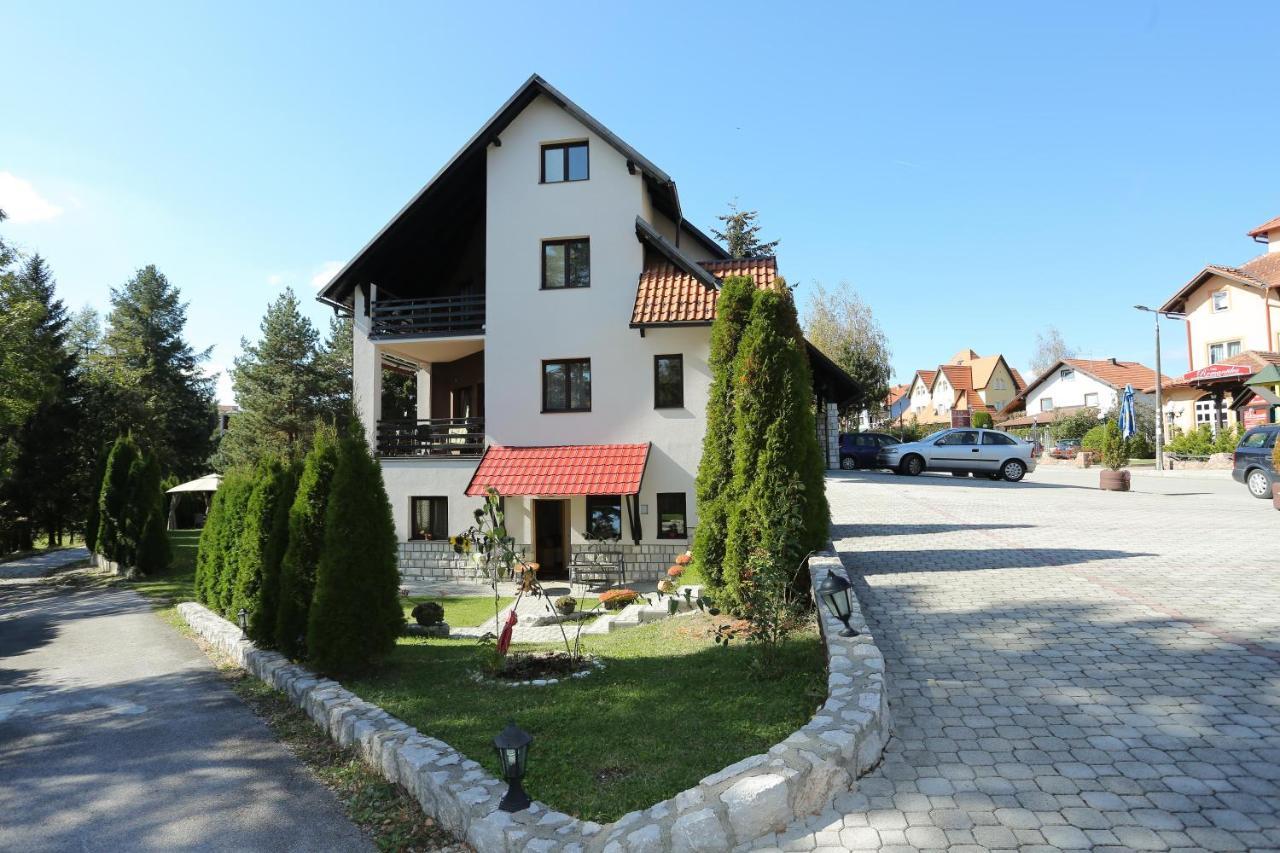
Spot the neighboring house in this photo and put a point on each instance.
(1072, 384)
(967, 383)
(553, 308)
(895, 403)
(226, 413)
(1231, 312)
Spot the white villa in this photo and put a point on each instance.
(549, 307)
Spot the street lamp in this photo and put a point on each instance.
(513, 756)
(836, 592)
(1172, 315)
(243, 618)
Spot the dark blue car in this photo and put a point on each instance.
(859, 449)
(1253, 465)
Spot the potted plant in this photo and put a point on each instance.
(566, 604)
(1115, 455)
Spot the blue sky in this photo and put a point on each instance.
(976, 171)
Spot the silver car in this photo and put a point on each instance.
(963, 451)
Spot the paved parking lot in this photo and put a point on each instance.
(1069, 668)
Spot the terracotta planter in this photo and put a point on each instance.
(1275, 495)
(1113, 481)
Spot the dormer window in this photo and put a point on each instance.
(564, 161)
(1221, 301)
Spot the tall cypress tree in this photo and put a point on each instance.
(715, 469)
(778, 464)
(255, 551)
(306, 540)
(263, 625)
(152, 553)
(113, 501)
(355, 616)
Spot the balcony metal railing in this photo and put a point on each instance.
(437, 315)
(435, 437)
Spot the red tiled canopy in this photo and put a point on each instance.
(563, 470)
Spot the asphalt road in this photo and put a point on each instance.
(117, 734)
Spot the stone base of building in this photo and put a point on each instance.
(436, 561)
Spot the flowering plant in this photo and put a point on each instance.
(616, 599)
(684, 559)
(675, 572)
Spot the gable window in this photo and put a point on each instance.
(1046, 404)
(564, 161)
(998, 384)
(1221, 301)
(1091, 400)
(1224, 350)
(604, 517)
(566, 385)
(566, 263)
(671, 515)
(668, 381)
(428, 518)
(1066, 373)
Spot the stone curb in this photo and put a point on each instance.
(729, 809)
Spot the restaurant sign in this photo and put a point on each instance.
(1218, 371)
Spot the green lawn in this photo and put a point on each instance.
(460, 611)
(669, 708)
(177, 584)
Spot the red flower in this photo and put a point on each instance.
(684, 559)
(675, 572)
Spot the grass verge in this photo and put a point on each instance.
(668, 708)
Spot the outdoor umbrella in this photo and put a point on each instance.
(1128, 425)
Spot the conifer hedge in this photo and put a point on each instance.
(127, 523)
(253, 547)
(355, 615)
(218, 558)
(305, 542)
(263, 626)
(113, 500)
(715, 470)
(149, 523)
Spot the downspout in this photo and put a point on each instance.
(1266, 306)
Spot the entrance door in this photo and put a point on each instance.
(550, 539)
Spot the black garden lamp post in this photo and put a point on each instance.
(243, 618)
(835, 591)
(513, 754)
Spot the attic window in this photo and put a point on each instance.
(1221, 301)
(564, 161)
(1066, 373)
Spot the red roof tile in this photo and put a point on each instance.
(666, 293)
(570, 469)
(1115, 373)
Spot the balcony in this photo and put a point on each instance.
(438, 316)
(433, 437)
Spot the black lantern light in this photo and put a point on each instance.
(835, 591)
(243, 618)
(513, 755)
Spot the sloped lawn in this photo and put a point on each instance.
(669, 708)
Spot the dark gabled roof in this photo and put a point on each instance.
(666, 199)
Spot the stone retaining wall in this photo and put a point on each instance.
(436, 560)
(754, 797)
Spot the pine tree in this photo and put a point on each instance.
(305, 541)
(741, 234)
(255, 549)
(113, 501)
(778, 463)
(335, 368)
(279, 388)
(145, 377)
(715, 470)
(355, 616)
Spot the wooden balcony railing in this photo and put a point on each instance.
(433, 437)
(437, 315)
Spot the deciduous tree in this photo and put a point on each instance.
(1049, 349)
(842, 326)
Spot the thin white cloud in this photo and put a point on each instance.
(20, 201)
(275, 279)
(327, 271)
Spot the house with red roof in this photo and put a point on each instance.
(965, 384)
(549, 307)
(1073, 384)
(1232, 319)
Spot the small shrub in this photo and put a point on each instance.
(428, 613)
(1140, 447)
(1114, 452)
(981, 420)
(566, 604)
(616, 599)
(1092, 440)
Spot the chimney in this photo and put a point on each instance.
(1113, 361)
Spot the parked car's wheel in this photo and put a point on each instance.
(1013, 470)
(913, 465)
(848, 463)
(1259, 483)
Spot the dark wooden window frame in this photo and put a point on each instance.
(564, 149)
(612, 502)
(413, 517)
(566, 243)
(657, 403)
(684, 514)
(568, 394)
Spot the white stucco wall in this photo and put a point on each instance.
(1244, 320)
(1071, 392)
(434, 477)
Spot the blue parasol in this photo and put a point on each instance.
(1128, 423)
